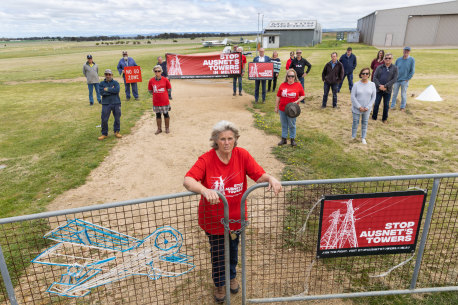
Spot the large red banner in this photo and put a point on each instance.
(204, 66)
(366, 224)
(133, 74)
(260, 70)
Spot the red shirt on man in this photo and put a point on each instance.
(230, 180)
(289, 93)
(160, 93)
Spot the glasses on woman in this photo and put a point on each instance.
(365, 73)
(290, 76)
(157, 71)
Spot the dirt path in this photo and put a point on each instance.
(143, 164)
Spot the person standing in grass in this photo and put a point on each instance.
(384, 78)
(362, 98)
(109, 89)
(277, 67)
(127, 61)
(406, 69)
(91, 71)
(332, 75)
(288, 62)
(348, 61)
(299, 63)
(378, 61)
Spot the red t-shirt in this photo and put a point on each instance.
(229, 179)
(289, 93)
(159, 88)
(288, 63)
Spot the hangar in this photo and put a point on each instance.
(421, 25)
(285, 33)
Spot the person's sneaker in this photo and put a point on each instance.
(118, 135)
(234, 286)
(392, 108)
(364, 141)
(234, 94)
(137, 99)
(170, 98)
(353, 138)
(240, 93)
(128, 99)
(403, 109)
(102, 137)
(385, 122)
(91, 104)
(263, 101)
(220, 294)
(100, 102)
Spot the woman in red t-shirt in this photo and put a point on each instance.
(290, 91)
(158, 86)
(224, 168)
(291, 57)
(377, 62)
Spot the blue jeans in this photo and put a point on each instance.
(106, 111)
(386, 100)
(217, 258)
(364, 120)
(287, 123)
(403, 84)
(234, 83)
(127, 87)
(350, 81)
(256, 89)
(335, 88)
(97, 91)
(301, 79)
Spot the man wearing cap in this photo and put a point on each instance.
(384, 78)
(127, 61)
(348, 61)
(91, 71)
(298, 64)
(109, 89)
(406, 69)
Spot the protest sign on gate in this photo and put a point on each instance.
(133, 74)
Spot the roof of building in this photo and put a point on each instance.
(292, 25)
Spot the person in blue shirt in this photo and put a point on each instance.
(260, 58)
(406, 69)
(348, 61)
(109, 90)
(127, 61)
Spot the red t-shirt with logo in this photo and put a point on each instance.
(229, 179)
(289, 93)
(160, 93)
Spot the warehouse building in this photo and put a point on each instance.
(422, 25)
(285, 33)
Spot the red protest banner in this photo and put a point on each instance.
(367, 224)
(260, 70)
(204, 66)
(133, 74)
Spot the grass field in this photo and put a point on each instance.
(49, 131)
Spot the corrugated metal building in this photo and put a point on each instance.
(422, 25)
(299, 33)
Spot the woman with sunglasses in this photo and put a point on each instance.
(378, 61)
(290, 91)
(362, 98)
(159, 87)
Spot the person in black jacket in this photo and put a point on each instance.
(163, 64)
(298, 64)
(384, 78)
(348, 61)
(332, 75)
(109, 90)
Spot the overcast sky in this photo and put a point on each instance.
(27, 18)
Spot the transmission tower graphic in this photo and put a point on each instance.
(341, 233)
(175, 68)
(254, 71)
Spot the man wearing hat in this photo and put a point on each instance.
(406, 69)
(109, 89)
(348, 61)
(91, 71)
(127, 61)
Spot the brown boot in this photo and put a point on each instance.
(102, 137)
(293, 142)
(282, 142)
(159, 126)
(167, 123)
(220, 294)
(118, 135)
(234, 286)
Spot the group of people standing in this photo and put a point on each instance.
(108, 89)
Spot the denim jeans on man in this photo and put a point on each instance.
(386, 102)
(217, 258)
(334, 88)
(234, 83)
(403, 84)
(350, 81)
(364, 120)
(287, 123)
(97, 91)
(301, 79)
(127, 87)
(106, 111)
(256, 89)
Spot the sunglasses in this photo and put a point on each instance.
(388, 57)
(365, 73)
(290, 76)
(157, 71)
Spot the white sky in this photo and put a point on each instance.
(27, 18)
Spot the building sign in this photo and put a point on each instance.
(368, 224)
(133, 74)
(292, 25)
(260, 70)
(204, 66)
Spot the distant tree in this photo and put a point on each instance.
(97, 43)
(149, 42)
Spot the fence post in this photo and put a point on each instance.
(227, 271)
(424, 235)
(7, 279)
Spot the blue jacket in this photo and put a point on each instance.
(111, 96)
(349, 63)
(406, 68)
(122, 64)
(266, 59)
